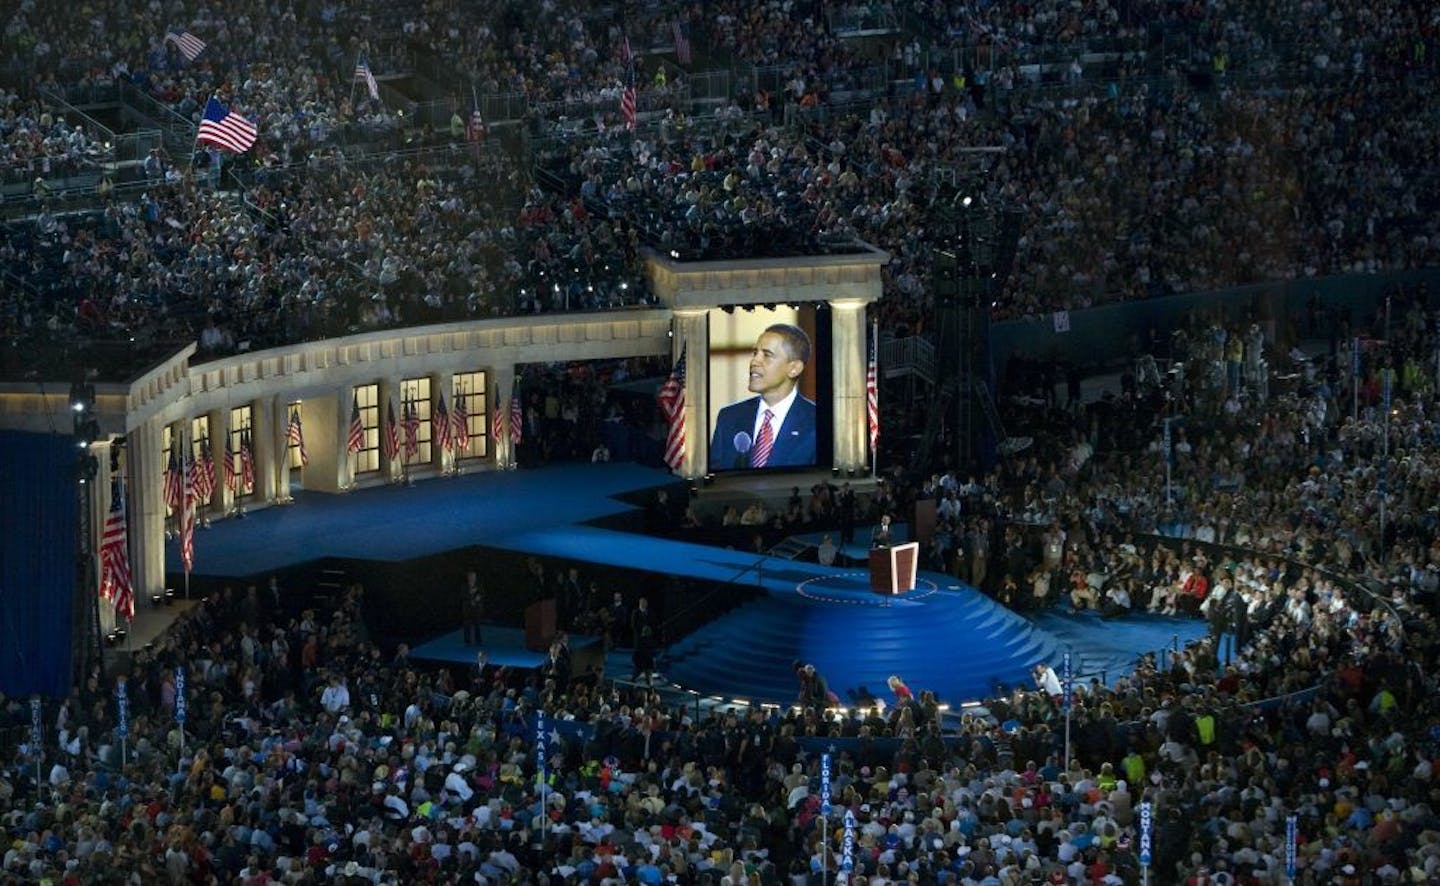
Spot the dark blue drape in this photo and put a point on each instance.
(37, 561)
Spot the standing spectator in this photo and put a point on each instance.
(472, 596)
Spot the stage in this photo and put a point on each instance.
(943, 636)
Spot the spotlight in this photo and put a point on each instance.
(966, 201)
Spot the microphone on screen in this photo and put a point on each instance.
(742, 443)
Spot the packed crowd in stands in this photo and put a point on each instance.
(1132, 187)
(1303, 532)
(37, 142)
(311, 754)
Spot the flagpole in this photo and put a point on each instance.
(455, 442)
(359, 55)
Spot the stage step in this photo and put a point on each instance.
(792, 548)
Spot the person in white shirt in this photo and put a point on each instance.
(457, 789)
(336, 696)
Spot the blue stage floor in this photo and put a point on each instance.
(944, 636)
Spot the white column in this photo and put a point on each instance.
(262, 436)
(280, 463)
(223, 499)
(692, 334)
(147, 509)
(344, 400)
(847, 335)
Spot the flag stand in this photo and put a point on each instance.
(358, 56)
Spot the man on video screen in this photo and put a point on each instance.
(775, 428)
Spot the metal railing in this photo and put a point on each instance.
(861, 20)
(901, 356)
(121, 146)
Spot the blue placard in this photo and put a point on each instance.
(180, 695)
(1068, 677)
(540, 745)
(37, 735)
(847, 849)
(1145, 827)
(122, 709)
(1290, 828)
(1355, 357)
(825, 784)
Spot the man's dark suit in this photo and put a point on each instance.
(794, 441)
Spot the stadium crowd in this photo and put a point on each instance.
(1298, 163)
(311, 754)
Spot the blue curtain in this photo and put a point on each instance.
(37, 561)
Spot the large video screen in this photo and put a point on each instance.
(769, 388)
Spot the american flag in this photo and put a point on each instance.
(115, 556)
(205, 473)
(411, 421)
(225, 129)
(390, 443)
(295, 436)
(682, 43)
(672, 404)
(497, 419)
(517, 415)
(460, 420)
(626, 55)
(187, 520)
(440, 426)
(364, 75)
(174, 481)
(872, 394)
(189, 45)
(627, 101)
(232, 466)
(247, 462)
(355, 439)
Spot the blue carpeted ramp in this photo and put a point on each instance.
(956, 642)
(942, 636)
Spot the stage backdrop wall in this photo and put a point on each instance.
(37, 562)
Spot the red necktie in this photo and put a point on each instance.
(764, 443)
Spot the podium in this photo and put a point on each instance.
(892, 569)
(540, 625)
